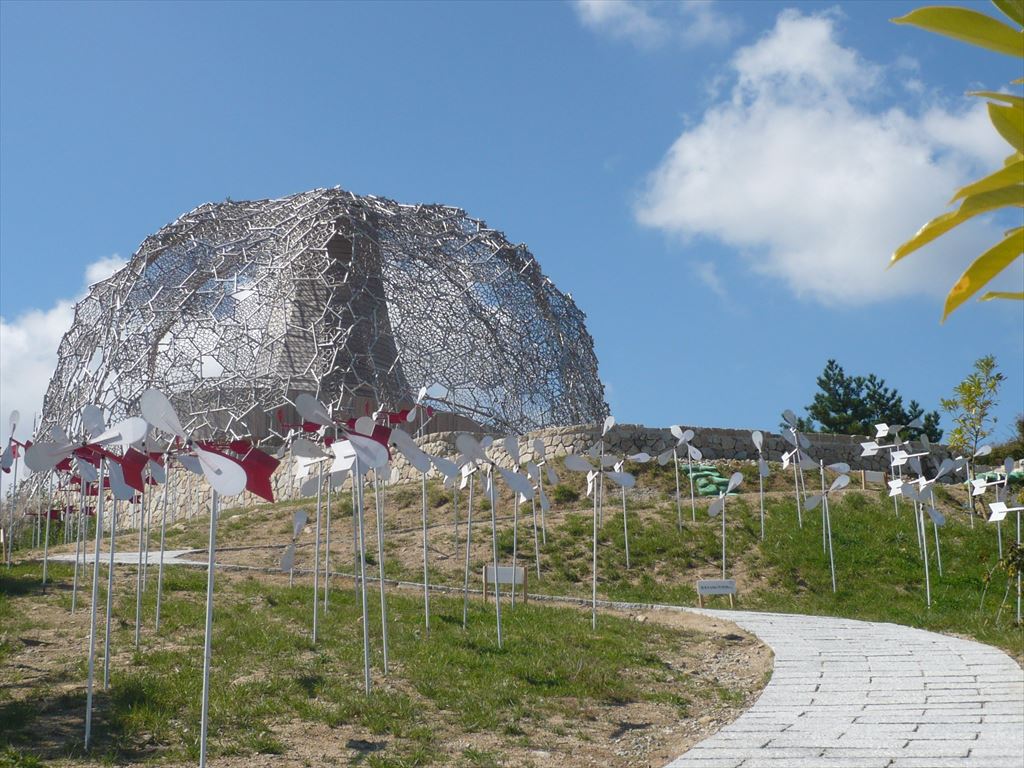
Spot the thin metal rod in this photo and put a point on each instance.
(918, 511)
(760, 488)
(689, 472)
(536, 537)
(828, 528)
(204, 725)
(110, 594)
(378, 498)
(78, 547)
(679, 505)
(13, 504)
(138, 573)
(593, 569)
(426, 572)
(796, 491)
(824, 510)
(358, 478)
(723, 537)
(49, 512)
(469, 544)
(92, 607)
(938, 547)
(316, 548)
(515, 540)
(327, 544)
(163, 539)
(494, 547)
(625, 525)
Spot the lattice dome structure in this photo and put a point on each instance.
(236, 307)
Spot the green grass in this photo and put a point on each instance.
(266, 671)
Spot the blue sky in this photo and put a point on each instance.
(718, 185)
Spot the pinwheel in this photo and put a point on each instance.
(692, 454)
(472, 451)
(998, 512)
(468, 472)
(840, 468)
(717, 507)
(762, 470)
(576, 463)
(826, 520)
(540, 459)
(227, 477)
(920, 495)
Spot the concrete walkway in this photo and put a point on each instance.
(863, 694)
(171, 557)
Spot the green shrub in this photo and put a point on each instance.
(563, 494)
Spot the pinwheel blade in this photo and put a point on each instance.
(288, 558)
(344, 455)
(511, 445)
(420, 395)
(225, 475)
(299, 522)
(915, 465)
(840, 466)
(909, 491)
(715, 507)
(121, 490)
(158, 411)
(470, 448)
(694, 452)
(677, 432)
(371, 454)
(762, 468)
(306, 449)
(639, 458)
(609, 422)
(789, 438)
(936, 516)
(544, 503)
(124, 433)
(445, 467)
(86, 471)
(734, 482)
(1008, 465)
(13, 420)
(44, 456)
(926, 443)
(608, 461)
(812, 502)
(191, 463)
(365, 425)
(806, 462)
(687, 436)
(309, 485)
(664, 457)
(538, 449)
(985, 450)
(758, 439)
(517, 482)
(790, 417)
(533, 471)
(93, 421)
(312, 410)
(7, 458)
(804, 442)
(899, 458)
(625, 479)
(839, 483)
(576, 463)
(415, 456)
(552, 476)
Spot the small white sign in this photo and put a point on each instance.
(506, 574)
(716, 587)
(873, 476)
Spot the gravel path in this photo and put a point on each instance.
(861, 694)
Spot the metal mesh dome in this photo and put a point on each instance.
(237, 306)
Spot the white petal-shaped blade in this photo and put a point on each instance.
(121, 490)
(804, 441)
(337, 479)
(394, 477)
(44, 456)
(93, 421)
(410, 417)
(716, 506)
(609, 422)
(191, 463)
(365, 425)
(306, 449)
(625, 479)
(288, 558)
(344, 456)
(312, 410)
(86, 471)
(790, 417)
(664, 457)
(945, 467)
(299, 522)
(7, 458)
(157, 471)
(445, 467)
(1008, 465)
(309, 485)
(124, 433)
(511, 445)
(936, 516)
(576, 463)
(420, 395)
(372, 455)
(225, 475)
(517, 482)
(694, 453)
(839, 483)
(552, 476)
(538, 449)
(677, 432)
(639, 458)
(909, 491)
(806, 462)
(915, 465)
(416, 457)
(812, 502)
(609, 461)
(758, 439)
(840, 466)
(160, 414)
(985, 450)
(12, 422)
(470, 448)
(544, 503)
(485, 442)
(789, 438)
(593, 451)
(533, 471)
(59, 435)
(734, 482)
(762, 468)
(687, 436)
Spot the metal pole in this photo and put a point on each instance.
(110, 594)
(78, 547)
(593, 577)
(828, 527)
(327, 543)
(625, 525)
(536, 537)
(379, 505)
(824, 513)
(163, 538)
(138, 573)
(316, 548)
(362, 580)
(92, 607)
(46, 541)
(205, 714)
(13, 506)
(918, 511)
(760, 486)
(469, 543)
(494, 547)
(426, 573)
(723, 536)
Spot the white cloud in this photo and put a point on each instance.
(707, 273)
(28, 351)
(652, 24)
(810, 182)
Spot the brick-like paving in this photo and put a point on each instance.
(859, 694)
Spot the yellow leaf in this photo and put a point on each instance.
(1011, 195)
(969, 26)
(1012, 8)
(1009, 98)
(1005, 176)
(1009, 121)
(984, 268)
(1013, 296)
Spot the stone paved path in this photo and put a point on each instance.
(856, 694)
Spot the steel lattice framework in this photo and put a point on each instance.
(236, 307)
